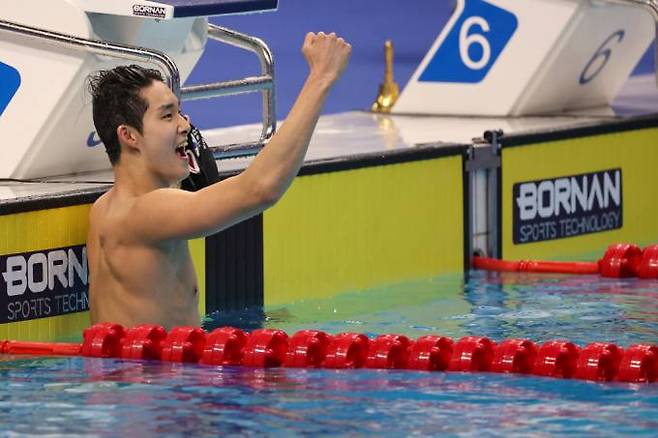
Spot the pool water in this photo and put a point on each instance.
(107, 397)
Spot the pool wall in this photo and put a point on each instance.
(346, 225)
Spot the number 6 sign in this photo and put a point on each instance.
(472, 46)
(513, 58)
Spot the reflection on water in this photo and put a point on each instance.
(100, 397)
(539, 307)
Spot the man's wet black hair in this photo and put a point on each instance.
(116, 100)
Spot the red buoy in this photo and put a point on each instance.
(183, 344)
(598, 361)
(556, 359)
(103, 340)
(224, 346)
(307, 349)
(347, 350)
(514, 356)
(639, 364)
(388, 352)
(430, 353)
(143, 342)
(620, 260)
(265, 348)
(472, 353)
(648, 266)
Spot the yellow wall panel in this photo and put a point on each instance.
(635, 152)
(198, 253)
(355, 229)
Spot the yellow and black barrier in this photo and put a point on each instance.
(349, 224)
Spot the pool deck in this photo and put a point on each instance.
(355, 134)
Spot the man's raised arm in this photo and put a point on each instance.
(279, 162)
(226, 203)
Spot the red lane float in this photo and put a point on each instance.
(598, 361)
(648, 266)
(430, 353)
(40, 348)
(103, 340)
(472, 353)
(639, 364)
(143, 342)
(315, 349)
(536, 266)
(265, 348)
(515, 356)
(224, 347)
(183, 344)
(621, 260)
(307, 349)
(388, 352)
(556, 358)
(347, 350)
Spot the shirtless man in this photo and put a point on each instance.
(140, 270)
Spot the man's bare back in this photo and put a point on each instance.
(140, 270)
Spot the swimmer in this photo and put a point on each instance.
(140, 269)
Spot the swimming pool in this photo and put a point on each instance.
(100, 397)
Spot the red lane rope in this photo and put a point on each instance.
(538, 266)
(315, 349)
(620, 260)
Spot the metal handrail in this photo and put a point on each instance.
(264, 83)
(650, 6)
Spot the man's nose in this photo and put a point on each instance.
(185, 126)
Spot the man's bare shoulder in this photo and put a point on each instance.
(101, 202)
(109, 214)
(128, 218)
(101, 207)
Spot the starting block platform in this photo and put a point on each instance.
(169, 9)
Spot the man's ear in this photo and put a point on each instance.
(127, 136)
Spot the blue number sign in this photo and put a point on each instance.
(10, 80)
(473, 45)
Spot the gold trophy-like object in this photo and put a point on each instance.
(389, 89)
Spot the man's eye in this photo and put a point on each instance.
(167, 116)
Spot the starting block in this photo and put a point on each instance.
(48, 49)
(518, 58)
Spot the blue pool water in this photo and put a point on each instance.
(97, 397)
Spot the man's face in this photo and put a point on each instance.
(164, 134)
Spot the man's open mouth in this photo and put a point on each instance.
(186, 154)
(180, 150)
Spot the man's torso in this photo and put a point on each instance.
(133, 282)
